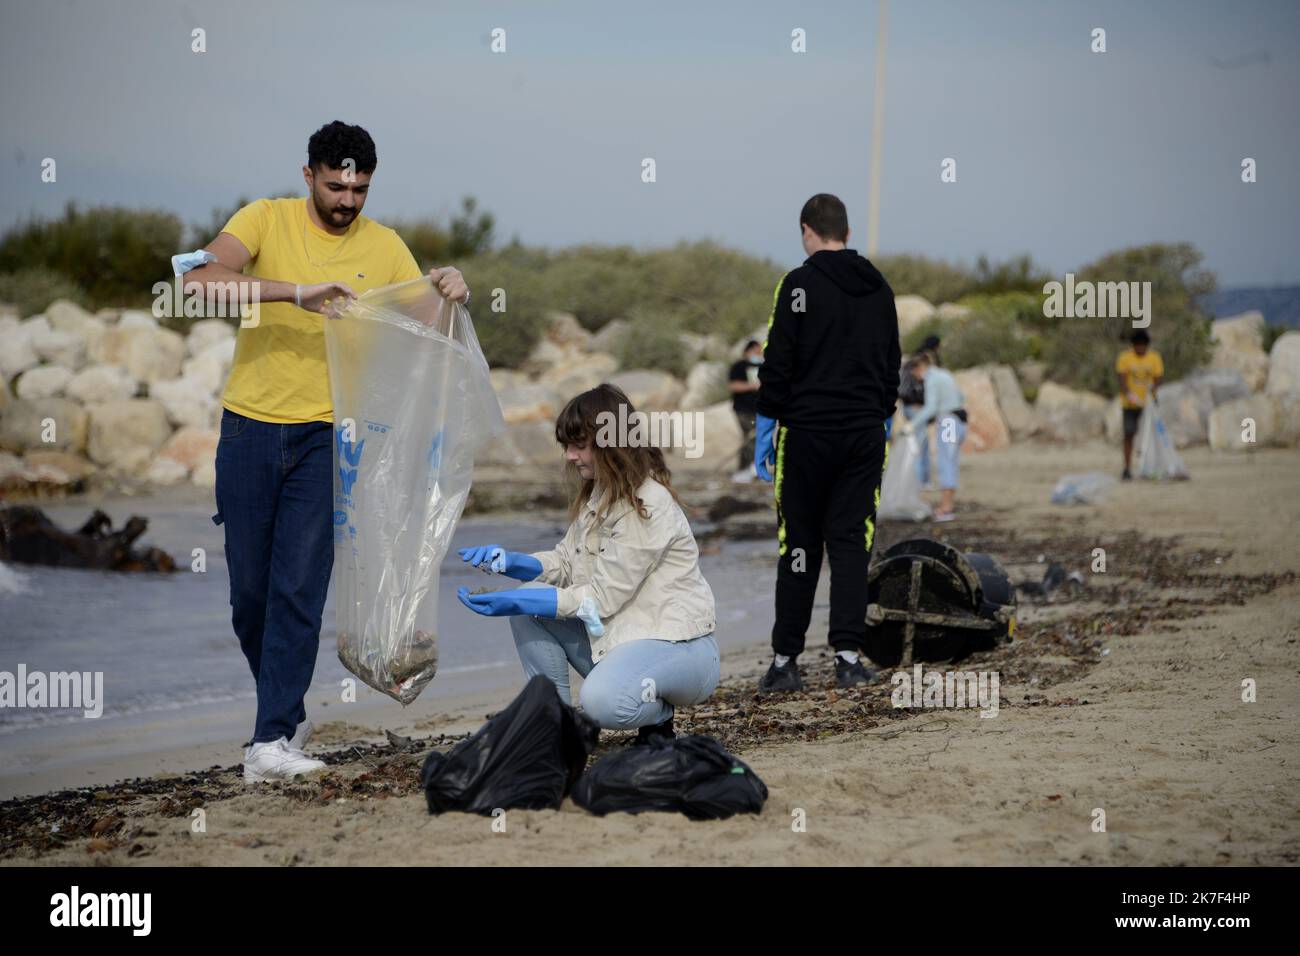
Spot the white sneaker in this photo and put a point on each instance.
(277, 761)
(300, 736)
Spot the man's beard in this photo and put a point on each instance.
(331, 217)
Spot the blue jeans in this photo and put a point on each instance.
(275, 490)
(947, 453)
(634, 685)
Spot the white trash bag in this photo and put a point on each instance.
(900, 489)
(413, 403)
(1156, 455)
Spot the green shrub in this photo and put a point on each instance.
(32, 290)
(114, 254)
(1081, 352)
(507, 336)
(931, 279)
(652, 341)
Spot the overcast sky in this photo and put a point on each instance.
(1062, 153)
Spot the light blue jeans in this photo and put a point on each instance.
(947, 454)
(634, 685)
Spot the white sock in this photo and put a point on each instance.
(850, 657)
(781, 660)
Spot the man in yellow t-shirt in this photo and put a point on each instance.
(275, 489)
(1140, 370)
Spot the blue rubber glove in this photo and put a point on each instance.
(764, 446)
(540, 602)
(494, 558)
(889, 427)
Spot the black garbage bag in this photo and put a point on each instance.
(527, 757)
(693, 775)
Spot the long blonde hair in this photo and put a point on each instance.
(620, 469)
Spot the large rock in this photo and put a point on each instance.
(1186, 404)
(580, 373)
(951, 310)
(703, 348)
(507, 378)
(706, 384)
(565, 331)
(1019, 415)
(74, 466)
(22, 428)
(912, 312)
(16, 351)
(1274, 418)
(211, 366)
(187, 401)
(206, 333)
(609, 337)
(96, 384)
(67, 316)
(1068, 415)
(135, 319)
(11, 468)
(5, 397)
(191, 447)
(60, 348)
(985, 426)
(715, 433)
(165, 471)
(1239, 345)
(44, 381)
(1031, 373)
(528, 403)
(205, 475)
(648, 389)
(525, 445)
(121, 430)
(149, 354)
(1284, 364)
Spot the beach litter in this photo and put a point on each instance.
(1085, 488)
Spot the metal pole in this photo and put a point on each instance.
(877, 131)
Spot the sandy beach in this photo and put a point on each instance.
(1125, 699)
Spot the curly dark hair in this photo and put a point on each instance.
(334, 142)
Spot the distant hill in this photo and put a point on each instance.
(1280, 304)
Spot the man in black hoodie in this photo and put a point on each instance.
(828, 384)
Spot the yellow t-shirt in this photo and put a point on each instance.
(279, 373)
(1142, 371)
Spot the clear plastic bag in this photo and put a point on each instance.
(1084, 488)
(900, 488)
(1156, 455)
(413, 403)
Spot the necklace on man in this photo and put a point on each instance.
(306, 253)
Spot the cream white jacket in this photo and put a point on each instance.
(642, 575)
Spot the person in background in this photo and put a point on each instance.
(943, 406)
(1141, 370)
(621, 597)
(912, 394)
(742, 380)
(830, 383)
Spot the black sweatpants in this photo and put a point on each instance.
(827, 491)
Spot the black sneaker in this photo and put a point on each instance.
(652, 732)
(1127, 476)
(847, 675)
(781, 679)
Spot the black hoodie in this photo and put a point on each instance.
(832, 357)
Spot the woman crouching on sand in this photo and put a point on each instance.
(621, 597)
